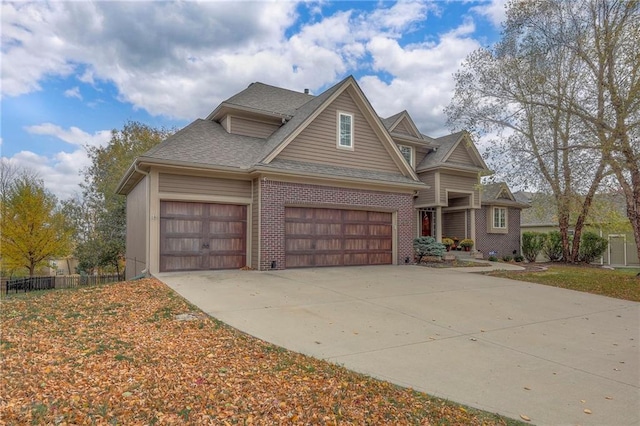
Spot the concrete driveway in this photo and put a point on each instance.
(496, 344)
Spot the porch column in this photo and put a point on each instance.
(472, 227)
(439, 224)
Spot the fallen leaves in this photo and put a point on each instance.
(136, 353)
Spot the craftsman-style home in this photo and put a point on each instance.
(276, 179)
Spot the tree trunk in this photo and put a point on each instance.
(563, 223)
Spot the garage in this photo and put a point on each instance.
(335, 237)
(202, 236)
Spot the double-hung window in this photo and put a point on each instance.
(407, 153)
(500, 218)
(345, 130)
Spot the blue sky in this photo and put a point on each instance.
(73, 71)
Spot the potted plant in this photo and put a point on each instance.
(448, 242)
(467, 243)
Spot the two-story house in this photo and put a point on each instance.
(276, 179)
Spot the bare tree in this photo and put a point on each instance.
(563, 82)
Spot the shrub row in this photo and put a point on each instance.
(592, 246)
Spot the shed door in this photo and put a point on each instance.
(202, 236)
(333, 237)
(616, 247)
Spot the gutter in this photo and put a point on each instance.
(147, 256)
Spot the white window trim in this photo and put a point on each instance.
(495, 210)
(338, 141)
(412, 156)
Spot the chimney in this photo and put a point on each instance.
(306, 91)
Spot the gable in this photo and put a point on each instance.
(504, 195)
(460, 155)
(405, 128)
(249, 127)
(317, 143)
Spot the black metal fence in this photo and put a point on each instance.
(17, 285)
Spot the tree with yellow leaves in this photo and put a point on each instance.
(33, 229)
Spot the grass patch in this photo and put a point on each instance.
(197, 372)
(618, 283)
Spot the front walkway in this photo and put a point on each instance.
(500, 345)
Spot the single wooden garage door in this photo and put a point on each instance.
(333, 237)
(202, 236)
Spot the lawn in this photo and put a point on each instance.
(117, 354)
(618, 283)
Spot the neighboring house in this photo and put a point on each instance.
(609, 222)
(63, 266)
(498, 222)
(276, 179)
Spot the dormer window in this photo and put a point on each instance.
(407, 153)
(345, 130)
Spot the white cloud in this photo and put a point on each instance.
(181, 59)
(172, 57)
(74, 92)
(73, 135)
(422, 74)
(61, 174)
(494, 11)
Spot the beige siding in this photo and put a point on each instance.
(317, 142)
(255, 229)
(460, 155)
(256, 129)
(404, 128)
(427, 196)
(420, 154)
(460, 202)
(453, 225)
(200, 185)
(225, 123)
(136, 251)
(459, 183)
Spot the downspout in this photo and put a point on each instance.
(147, 259)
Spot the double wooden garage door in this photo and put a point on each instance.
(333, 237)
(202, 236)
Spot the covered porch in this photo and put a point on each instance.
(455, 221)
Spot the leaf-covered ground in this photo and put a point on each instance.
(618, 283)
(116, 354)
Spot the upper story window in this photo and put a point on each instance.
(345, 130)
(407, 153)
(500, 218)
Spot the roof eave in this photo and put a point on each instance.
(417, 185)
(446, 166)
(412, 140)
(225, 107)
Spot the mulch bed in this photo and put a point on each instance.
(434, 262)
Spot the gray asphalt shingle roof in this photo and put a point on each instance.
(436, 158)
(388, 122)
(490, 194)
(349, 172)
(207, 142)
(270, 99)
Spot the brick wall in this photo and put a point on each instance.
(276, 195)
(504, 244)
